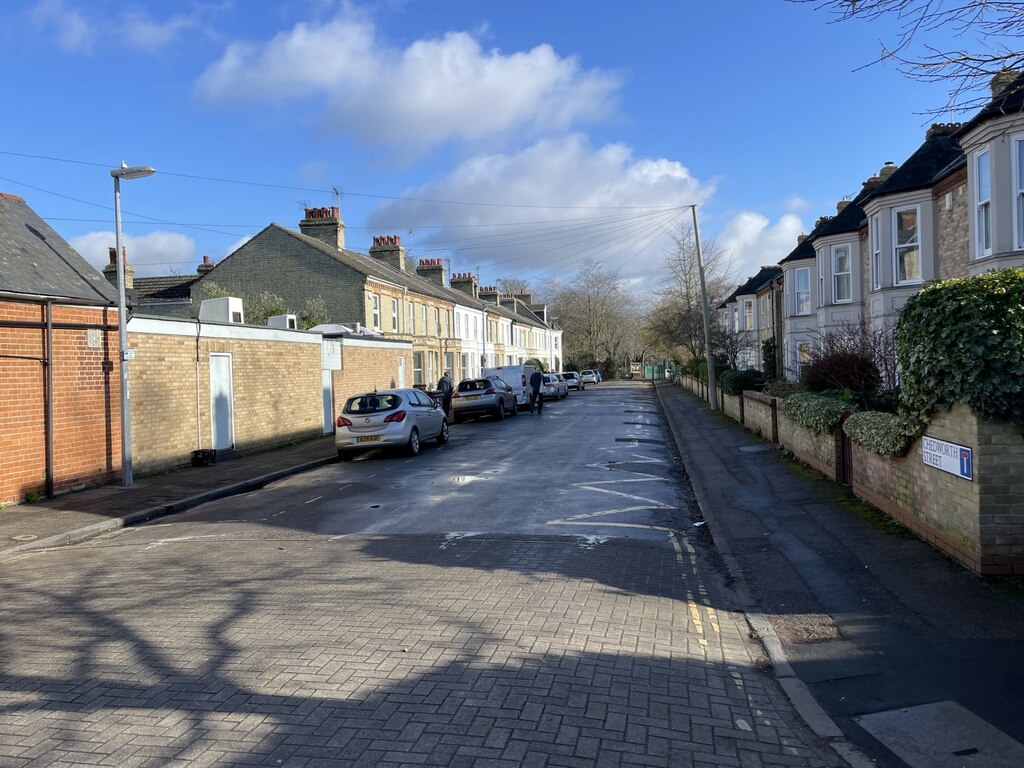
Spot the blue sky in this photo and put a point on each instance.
(514, 139)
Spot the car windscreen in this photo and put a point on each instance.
(372, 403)
(474, 385)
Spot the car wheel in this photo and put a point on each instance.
(344, 455)
(442, 437)
(413, 446)
(515, 408)
(500, 413)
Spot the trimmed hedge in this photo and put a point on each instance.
(783, 388)
(815, 412)
(962, 340)
(882, 433)
(735, 382)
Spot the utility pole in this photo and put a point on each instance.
(712, 383)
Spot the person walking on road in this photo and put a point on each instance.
(536, 381)
(444, 386)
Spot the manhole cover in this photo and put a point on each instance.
(25, 537)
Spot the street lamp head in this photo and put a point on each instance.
(132, 171)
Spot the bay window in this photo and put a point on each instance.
(907, 250)
(842, 274)
(983, 205)
(748, 315)
(876, 251)
(803, 291)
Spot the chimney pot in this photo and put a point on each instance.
(841, 205)
(1002, 80)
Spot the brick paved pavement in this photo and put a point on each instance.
(300, 651)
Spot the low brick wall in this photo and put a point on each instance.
(823, 452)
(693, 385)
(732, 406)
(981, 522)
(760, 414)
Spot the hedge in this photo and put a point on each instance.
(883, 433)
(815, 412)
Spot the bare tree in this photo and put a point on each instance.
(678, 318)
(597, 315)
(514, 285)
(988, 34)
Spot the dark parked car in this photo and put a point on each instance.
(486, 396)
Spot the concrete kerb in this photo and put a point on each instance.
(135, 518)
(796, 690)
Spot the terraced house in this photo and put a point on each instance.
(954, 208)
(381, 292)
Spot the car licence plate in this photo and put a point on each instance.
(473, 397)
(369, 439)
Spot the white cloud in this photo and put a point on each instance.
(549, 207)
(752, 241)
(158, 253)
(797, 204)
(431, 91)
(77, 32)
(72, 31)
(145, 34)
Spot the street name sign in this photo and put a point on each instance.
(949, 457)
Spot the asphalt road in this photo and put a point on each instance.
(533, 593)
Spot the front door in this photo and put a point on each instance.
(221, 402)
(328, 386)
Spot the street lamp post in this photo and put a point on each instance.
(124, 172)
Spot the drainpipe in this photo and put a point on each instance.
(48, 400)
(199, 422)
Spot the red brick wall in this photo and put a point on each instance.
(86, 401)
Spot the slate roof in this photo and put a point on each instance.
(753, 284)
(1009, 102)
(36, 262)
(803, 250)
(372, 267)
(926, 166)
(168, 288)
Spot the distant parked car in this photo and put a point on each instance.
(572, 380)
(553, 387)
(389, 418)
(486, 396)
(589, 376)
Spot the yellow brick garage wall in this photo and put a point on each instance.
(277, 391)
(365, 368)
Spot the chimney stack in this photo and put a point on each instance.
(388, 248)
(489, 293)
(800, 239)
(433, 270)
(1002, 80)
(466, 282)
(206, 266)
(324, 224)
(110, 270)
(887, 170)
(841, 205)
(941, 129)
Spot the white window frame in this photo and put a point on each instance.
(1018, 189)
(876, 252)
(735, 319)
(797, 291)
(982, 205)
(423, 317)
(437, 321)
(394, 315)
(897, 247)
(410, 318)
(837, 274)
(748, 315)
(820, 260)
(375, 298)
(457, 325)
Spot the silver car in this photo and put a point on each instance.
(486, 396)
(389, 418)
(553, 387)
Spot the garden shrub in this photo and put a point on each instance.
(815, 412)
(768, 349)
(735, 382)
(962, 340)
(883, 433)
(783, 388)
(842, 369)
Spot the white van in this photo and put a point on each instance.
(517, 377)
